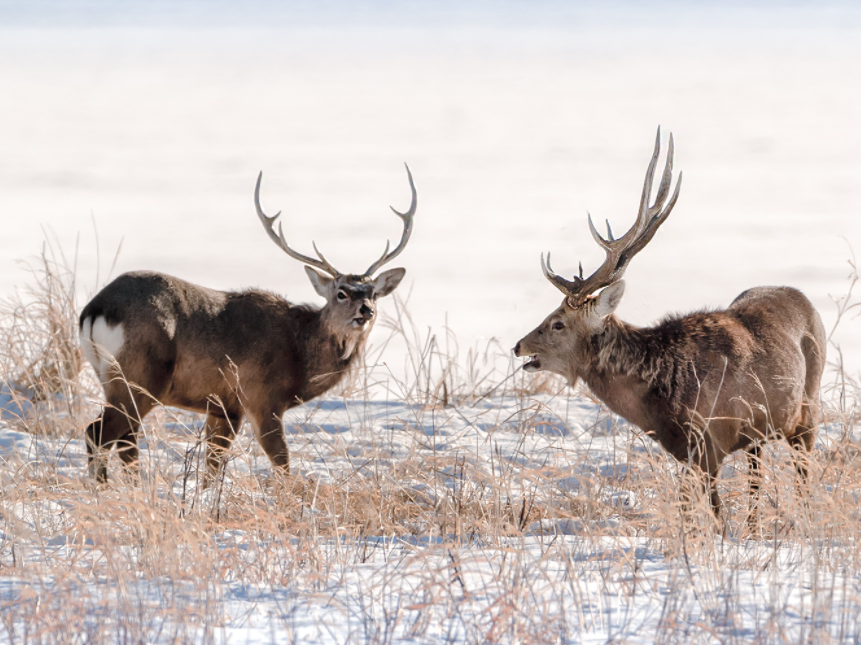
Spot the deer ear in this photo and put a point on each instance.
(321, 282)
(609, 299)
(388, 281)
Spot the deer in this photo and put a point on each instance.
(231, 355)
(703, 385)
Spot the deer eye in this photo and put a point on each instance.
(342, 295)
(558, 325)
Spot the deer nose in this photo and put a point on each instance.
(517, 349)
(366, 311)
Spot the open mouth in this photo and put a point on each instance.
(359, 323)
(533, 364)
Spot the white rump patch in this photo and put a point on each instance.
(101, 344)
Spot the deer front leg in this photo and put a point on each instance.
(270, 434)
(754, 457)
(221, 428)
(706, 458)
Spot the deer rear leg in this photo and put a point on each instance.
(754, 458)
(220, 430)
(270, 434)
(114, 427)
(127, 450)
(802, 441)
(118, 425)
(714, 498)
(97, 462)
(801, 444)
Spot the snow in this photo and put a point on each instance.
(14, 403)
(563, 579)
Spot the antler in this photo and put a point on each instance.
(620, 250)
(408, 229)
(278, 238)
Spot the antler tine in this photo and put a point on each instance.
(666, 178)
(568, 287)
(647, 185)
(651, 217)
(604, 244)
(407, 219)
(653, 226)
(268, 222)
(327, 267)
(647, 213)
(619, 251)
(643, 215)
(279, 239)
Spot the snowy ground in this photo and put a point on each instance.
(569, 532)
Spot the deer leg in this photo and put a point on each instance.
(714, 498)
(708, 461)
(127, 449)
(699, 482)
(114, 427)
(754, 460)
(270, 434)
(118, 425)
(801, 444)
(220, 430)
(96, 461)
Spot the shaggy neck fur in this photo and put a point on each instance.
(665, 359)
(641, 354)
(324, 360)
(631, 371)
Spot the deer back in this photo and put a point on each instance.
(737, 374)
(185, 343)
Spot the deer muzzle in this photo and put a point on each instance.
(533, 364)
(366, 314)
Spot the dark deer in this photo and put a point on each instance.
(703, 385)
(153, 338)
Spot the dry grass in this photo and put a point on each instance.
(40, 358)
(475, 544)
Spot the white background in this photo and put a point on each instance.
(153, 120)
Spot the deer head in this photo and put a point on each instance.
(350, 299)
(562, 343)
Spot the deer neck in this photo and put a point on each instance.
(347, 342)
(329, 354)
(622, 370)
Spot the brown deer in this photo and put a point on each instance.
(703, 385)
(230, 355)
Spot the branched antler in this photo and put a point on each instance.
(620, 250)
(322, 263)
(408, 229)
(278, 238)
